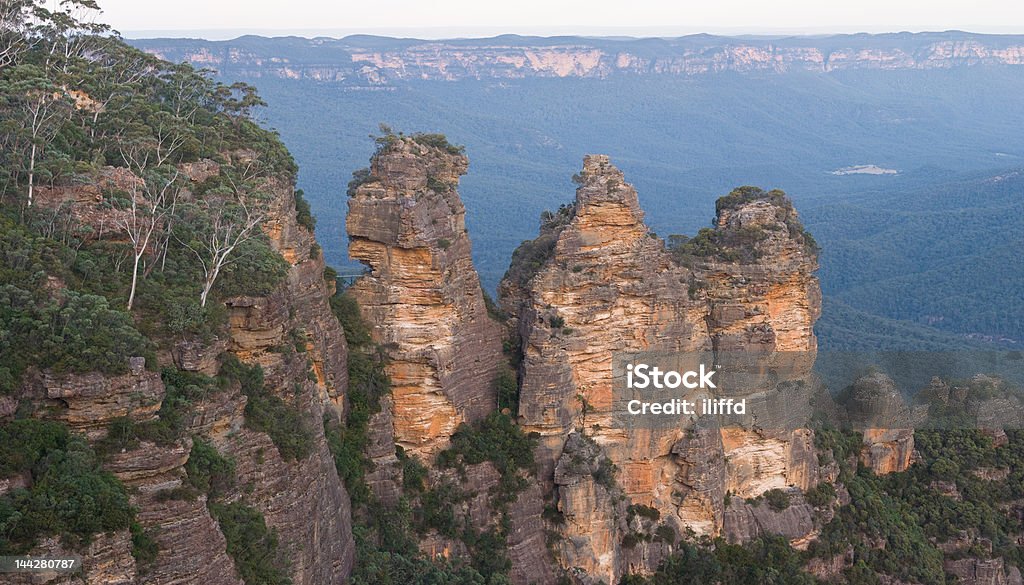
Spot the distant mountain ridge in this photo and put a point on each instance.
(377, 61)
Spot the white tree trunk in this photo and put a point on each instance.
(210, 279)
(31, 174)
(135, 280)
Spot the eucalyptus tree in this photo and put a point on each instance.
(226, 217)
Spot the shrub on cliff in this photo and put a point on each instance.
(360, 177)
(496, 439)
(367, 383)
(181, 390)
(268, 413)
(68, 494)
(252, 545)
(303, 213)
(777, 499)
(208, 471)
(346, 309)
(740, 244)
(438, 141)
(741, 196)
(507, 388)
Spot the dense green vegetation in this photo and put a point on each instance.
(182, 390)
(132, 197)
(208, 471)
(496, 439)
(68, 494)
(367, 384)
(77, 333)
(766, 561)
(938, 256)
(92, 277)
(500, 441)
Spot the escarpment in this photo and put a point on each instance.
(148, 423)
(422, 296)
(596, 283)
(299, 346)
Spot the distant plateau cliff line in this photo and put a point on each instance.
(380, 60)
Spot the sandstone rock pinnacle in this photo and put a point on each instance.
(422, 295)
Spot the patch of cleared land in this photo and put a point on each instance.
(865, 170)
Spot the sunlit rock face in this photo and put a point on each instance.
(596, 282)
(422, 295)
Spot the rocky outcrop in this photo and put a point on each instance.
(829, 568)
(875, 407)
(527, 549)
(594, 512)
(422, 295)
(192, 548)
(974, 571)
(596, 283)
(745, 521)
(107, 559)
(88, 402)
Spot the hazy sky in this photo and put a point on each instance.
(439, 18)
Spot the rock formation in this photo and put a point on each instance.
(597, 282)
(422, 295)
(875, 407)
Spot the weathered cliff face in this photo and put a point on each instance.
(354, 60)
(983, 571)
(606, 285)
(107, 559)
(796, 522)
(591, 505)
(303, 501)
(422, 295)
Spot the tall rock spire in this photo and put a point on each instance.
(422, 295)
